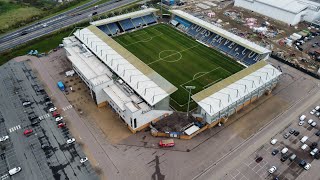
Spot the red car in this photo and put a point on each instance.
(166, 143)
(27, 132)
(55, 114)
(61, 125)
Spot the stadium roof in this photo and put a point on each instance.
(293, 6)
(124, 16)
(228, 91)
(239, 40)
(141, 78)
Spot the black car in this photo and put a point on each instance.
(302, 163)
(45, 146)
(314, 145)
(287, 135)
(318, 133)
(284, 157)
(259, 159)
(296, 133)
(34, 122)
(275, 151)
(32, 117)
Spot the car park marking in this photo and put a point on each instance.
(67, 107)
(4, 177)
(44, 116)
(14, 128)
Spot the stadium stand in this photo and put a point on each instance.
(194, 30)
(182, 21)
(149, 19)
(137, 22)
(224, 45)
(126, 24)
(250, 59)
(113, 27)
(105, 29)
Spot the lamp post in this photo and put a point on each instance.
(190, 88)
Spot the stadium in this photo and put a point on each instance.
(140, 67)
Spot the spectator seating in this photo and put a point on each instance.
(137, 22)
(216, 40)
(194, 30)
(251, 58)
(226, 45)
(126, 24)
(149, 19)
(204, 35)
(182, 21)
(113, 27)
(105, 29)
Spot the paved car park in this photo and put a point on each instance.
(42, 153)
(256, 166)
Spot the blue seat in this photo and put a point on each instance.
(182, 21)
(194, 30)
(126, 24)
(251, 58)
(216, 40)
(239, 52)
(149, 19)
(226, 45)
(211, 37)
(204, 35)
(105, 29)
(137, 22)
(113, 27)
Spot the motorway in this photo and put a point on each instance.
(55, 23)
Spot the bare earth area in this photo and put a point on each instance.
(118, 154)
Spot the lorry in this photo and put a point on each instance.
(61, 86)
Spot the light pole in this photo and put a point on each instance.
(190, 88)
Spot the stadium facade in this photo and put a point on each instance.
(288, 11)
(139, 95)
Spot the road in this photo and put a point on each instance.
(55, 23)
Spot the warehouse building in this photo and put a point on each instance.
(118, 79)
(228, 96)
(288, 11)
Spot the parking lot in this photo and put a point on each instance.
(257, 165)
(44, 153)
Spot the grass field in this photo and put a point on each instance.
(179, 59)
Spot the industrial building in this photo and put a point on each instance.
(288, 11)
(117, 78)
(228, 96)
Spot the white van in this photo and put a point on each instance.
(302, 117)
(14, 170)
(304, 139)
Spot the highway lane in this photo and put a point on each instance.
(38, 25)
(16, 39)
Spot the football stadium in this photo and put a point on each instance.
(141, 67)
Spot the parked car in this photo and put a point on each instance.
(313, 111)
(3, 138)
(313, 124)
(314, 145)
(317, 133)
(14, 170)
(83, 160)
(59, 119)
(301, 123)
(34, 122)
(317, 108)
(317, 114)
(292, 131)
(304, 146)
(45, 145)
(55, 114)
(274, 141)
(307, 166)
(52, 109)
(62, 125)
(302, 117)
(71, 140)
(304, 139)
(272, 169)
(302, 163)
(314, 151)
(310, 121)
(27, 132)
(284, 150)
(284, 157)
(275, 152)
(26, 103)
(296, 133)
(292, 157)
(166, 143)
(287, 135)
(259, 159)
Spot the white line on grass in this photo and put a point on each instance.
(204, 87)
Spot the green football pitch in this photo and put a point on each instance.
(179, 59)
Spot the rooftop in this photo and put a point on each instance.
(239, 40)
(294, 6)
(226, 92)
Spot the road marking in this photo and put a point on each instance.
(44, 116)
(14, 128)
(67, 107)
(4, 177)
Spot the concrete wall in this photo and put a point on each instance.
(163, 104)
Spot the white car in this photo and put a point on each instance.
(52, 109)
(307, 166)
(301, 123)
(304, 146)
(3, 138)
(69, 141)
(14, 170)
(26, 103)
(274, 141)
(310, 121)
(284, 150)
(59, 119)
(317, 108)
(83, 160)
(313, 111)
(302, 117)
(272, 169)
(313, 124)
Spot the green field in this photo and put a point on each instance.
(179, 59)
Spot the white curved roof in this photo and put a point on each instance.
(141, 78)
(226, 34)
